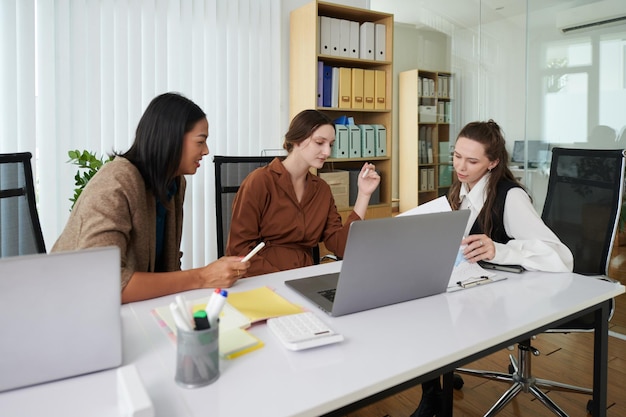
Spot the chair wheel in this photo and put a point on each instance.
(457, 382)
(590, 407)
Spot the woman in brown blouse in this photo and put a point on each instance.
(290, 209)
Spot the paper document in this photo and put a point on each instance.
(437, 205)
(465, 271)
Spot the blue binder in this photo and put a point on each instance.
(328, 86)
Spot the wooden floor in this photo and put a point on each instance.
(567, 358)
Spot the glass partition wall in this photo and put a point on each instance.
(531, 67)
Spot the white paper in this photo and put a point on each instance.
(437, 205)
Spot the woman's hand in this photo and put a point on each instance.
(478, 248)
(368, 179)
(224, 272)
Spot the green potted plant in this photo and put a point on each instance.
(88, 164)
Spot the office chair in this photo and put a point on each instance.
(230, 171)
(20, 230)
(582, 208)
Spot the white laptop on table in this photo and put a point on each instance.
(59, 315)
(389, 261)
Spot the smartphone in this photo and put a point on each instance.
(507, 268)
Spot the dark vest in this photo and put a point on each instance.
(498, 233)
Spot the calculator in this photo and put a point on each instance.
(302, 331)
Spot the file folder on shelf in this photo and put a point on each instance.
(423, 177)
(345, 88)
(344, 37)
(334, 93)
(368, 144)
(379, 42)
(335, 36)
(320, 84)
(366, 41)
(324, 35)
(380, 140)
(354, 40)
(355, 141)
(431, 178)
(368, 89)
(380, 89)
(327, 87)
(342, 138)
(357, 88)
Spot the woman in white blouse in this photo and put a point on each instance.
(503, 226)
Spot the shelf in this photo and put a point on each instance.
(303, 69)
(424, 176)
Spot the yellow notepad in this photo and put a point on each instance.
(261, 304)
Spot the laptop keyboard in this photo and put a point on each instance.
(328, 294)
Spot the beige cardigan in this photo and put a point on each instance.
(115, 208)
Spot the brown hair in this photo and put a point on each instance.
(303, 125)
(491, 137)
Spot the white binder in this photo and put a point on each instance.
(335, 36)
(380, 45)
(334, 91)
(342, 138)
(368, 143)
(354, 39)
(344, 37)
(355, 141)
(366, 41)
(380, 137)
(325, 35)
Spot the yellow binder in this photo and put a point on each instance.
(357, 88)
(368, 89)
(380, 90)
(345, 88)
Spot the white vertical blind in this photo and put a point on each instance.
(78, 74)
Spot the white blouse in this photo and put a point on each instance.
(534, 245)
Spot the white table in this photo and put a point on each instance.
(385, 350)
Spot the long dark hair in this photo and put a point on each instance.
(491, 137)
(303, 125)
(158, 144)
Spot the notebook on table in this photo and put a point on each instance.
(389, 261)
(59, 315)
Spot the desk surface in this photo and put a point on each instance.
(382, 348)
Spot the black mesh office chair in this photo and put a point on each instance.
(230, 171)
(20, 230)
(582, 208)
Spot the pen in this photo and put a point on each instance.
(215, 305)
(253, 252)
(367, 171)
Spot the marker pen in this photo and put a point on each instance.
(184, 309)
(367, 171)
(178, 317)
(201, 319)
(216, 303)
(253, 252)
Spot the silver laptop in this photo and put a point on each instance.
(389, 261)
(59, 315)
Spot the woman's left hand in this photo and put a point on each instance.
(478, 248)
(368, 179)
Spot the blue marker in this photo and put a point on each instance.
(215, 305)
